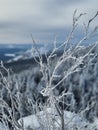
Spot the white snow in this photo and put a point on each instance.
(49, 118)
(27, 54)
(37, 121)
(15, 58)
(2, 126)
(30, 121)
(10, 54)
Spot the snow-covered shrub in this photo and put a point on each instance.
(70, 80)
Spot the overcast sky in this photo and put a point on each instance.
(43, 18)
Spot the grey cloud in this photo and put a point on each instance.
(7, 25)
(42, 18)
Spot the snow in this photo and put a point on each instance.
(43, 119)
(9, 55)
(49, 118)
(2, 126)
(38, 120)
(30, 121)
(27, 54)
(15, 59)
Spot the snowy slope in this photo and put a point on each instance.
(49, 118)
(28, 54)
